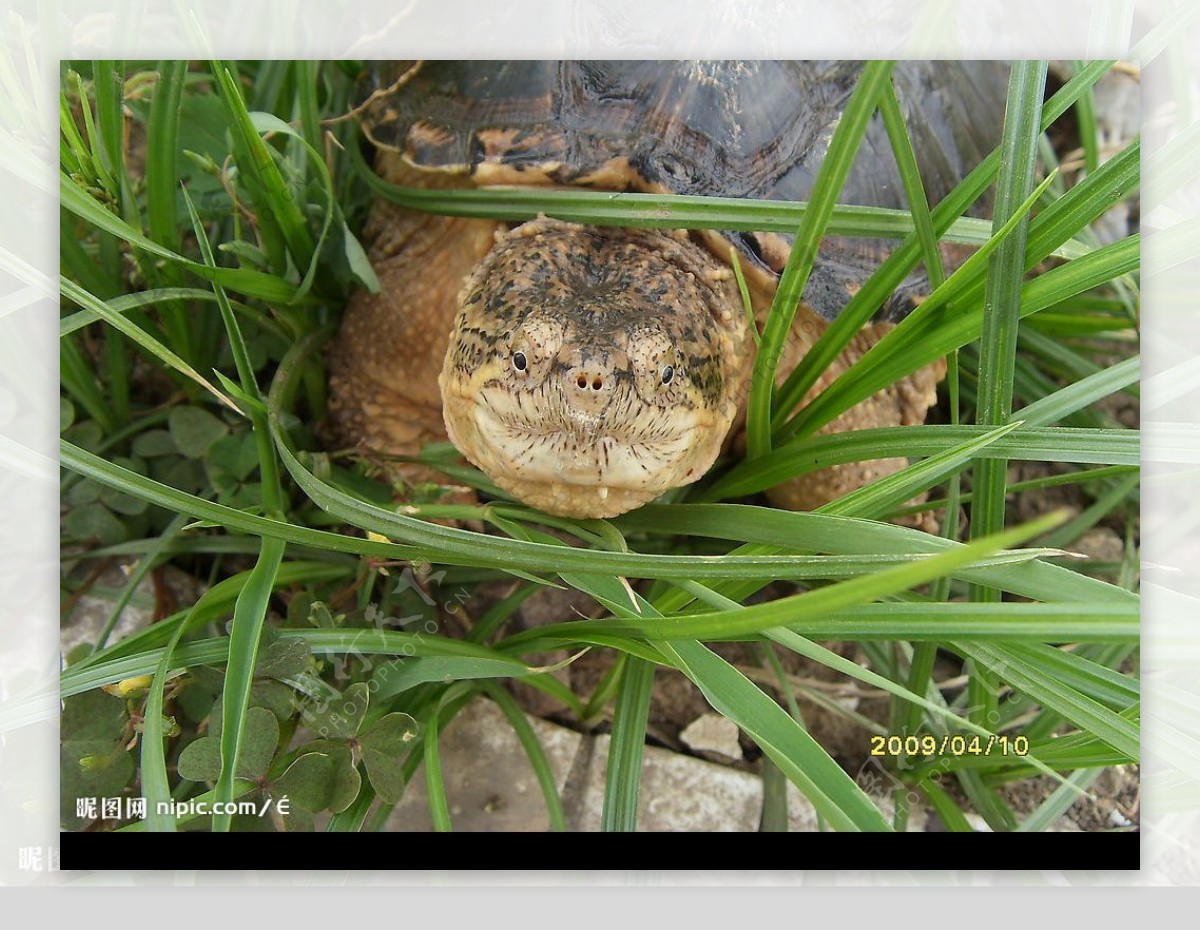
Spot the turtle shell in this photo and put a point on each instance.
(756, 129)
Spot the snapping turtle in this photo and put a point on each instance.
(588, 369)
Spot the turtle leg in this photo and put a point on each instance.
(904, 403)
(385, 362)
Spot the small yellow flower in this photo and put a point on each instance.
(129, 686)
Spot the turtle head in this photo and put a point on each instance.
(591, 370)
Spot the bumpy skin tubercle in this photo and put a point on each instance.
(591, 369)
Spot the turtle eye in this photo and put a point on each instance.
(668, 373)
(519, 361)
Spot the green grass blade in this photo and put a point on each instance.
(143, 661)
(91, 152)
(808, 766)
(148, 561)
(1055, 355)
(1081, 476)
(805, 647)
(78, 295)
(656, 211)
(998, 347)
(108, 83)
(155, 786)
(804, 455)
(910, 177)
(720, 520)
(162, 184)
(915, 343)
(889, 275)
(1082, 393)
(276, 204)
(268, 465)
(1113, 689)
(435, 784)
(831, 176)
(79, 380)
(403, 676)
(876, 498)
(946, 808)
(809, 532)
(267, 123)
(916, 622)
(905, 719)
(730, 693)
(1119, 495)
(162, 133)
(1031, 678)
(249, 613)
(77, 262)
(815, 605)
(1002, 295)
(1076, 210)
(73, 153)
(774, 817)
(308, 75)
(259, 284)
(971, 271)
(128, 302)
(1047, 814)
(623, 777)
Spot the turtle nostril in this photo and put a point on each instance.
(591, 379)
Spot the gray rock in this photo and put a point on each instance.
(490, 784)
(713, 733)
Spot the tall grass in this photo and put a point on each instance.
(193, 377)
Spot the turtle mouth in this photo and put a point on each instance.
(540, 437)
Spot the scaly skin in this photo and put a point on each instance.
(385, 362)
